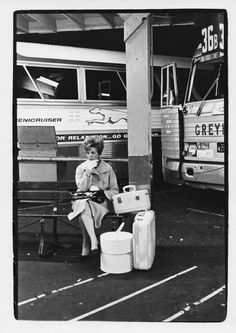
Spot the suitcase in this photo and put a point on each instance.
(131, 201)
(144, 239)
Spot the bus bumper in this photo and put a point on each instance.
(170, 170)
(203, 175)
(200, 175)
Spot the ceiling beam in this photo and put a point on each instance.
(46, 20)
(77, 19)
(184, 19)
(124, 16)
(132, 23)
(109, 19)
(21, 24)
(170, 20)
(160, 20)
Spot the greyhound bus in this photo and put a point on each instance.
(193, 141)
(82, 92)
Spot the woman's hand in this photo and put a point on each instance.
(90, 164)
(98, 196)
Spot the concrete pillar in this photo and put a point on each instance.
(137, 36)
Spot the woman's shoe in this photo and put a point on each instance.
(94, 252)
(84, 257)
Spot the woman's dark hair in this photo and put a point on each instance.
(93, 141)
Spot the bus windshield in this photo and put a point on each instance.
(206, 81)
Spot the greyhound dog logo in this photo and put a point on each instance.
(104, 116)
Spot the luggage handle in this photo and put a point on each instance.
(140, 215)
(133, 187)
(120, 227)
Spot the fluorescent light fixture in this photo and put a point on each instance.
(47, 81)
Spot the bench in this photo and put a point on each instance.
(55, 195)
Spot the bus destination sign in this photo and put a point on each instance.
(212, 32)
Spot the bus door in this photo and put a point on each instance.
(171, 129)
(204, 125)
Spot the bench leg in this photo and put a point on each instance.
(55, 236)
(42, 238)
(41, 252)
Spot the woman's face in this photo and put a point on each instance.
(92, 154)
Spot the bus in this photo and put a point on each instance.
(193, 137)
(82, 92)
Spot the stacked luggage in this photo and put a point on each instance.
(143, 229)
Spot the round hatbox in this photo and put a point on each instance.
(116, 252)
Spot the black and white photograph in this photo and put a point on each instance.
(120, 165)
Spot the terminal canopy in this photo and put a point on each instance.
(61, 21)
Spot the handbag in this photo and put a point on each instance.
(96, 196)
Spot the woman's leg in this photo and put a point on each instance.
(89, 226)
(86, 239)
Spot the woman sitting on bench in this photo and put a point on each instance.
(93, 175)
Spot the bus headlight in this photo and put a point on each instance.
(191, 148)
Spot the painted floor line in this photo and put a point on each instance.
(203, 212)
(188, 307)
(103, 274)
(54, 291)
(132, 294)
(28, 301)
(178, 314)
(204, 299)
(79, 282)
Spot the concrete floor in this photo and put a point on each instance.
(185, 284)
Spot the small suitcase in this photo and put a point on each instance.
(131, 201)
(144, 239)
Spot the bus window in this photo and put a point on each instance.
(46, 83)
(169, 91)
(105, 85)
(104, 90)
(182, 75)
(156, 86)
(24, 85)
(207, 82)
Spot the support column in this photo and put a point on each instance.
(137, 35)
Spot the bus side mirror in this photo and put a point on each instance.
(184, 110)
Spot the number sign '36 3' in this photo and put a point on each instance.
(213, 34)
